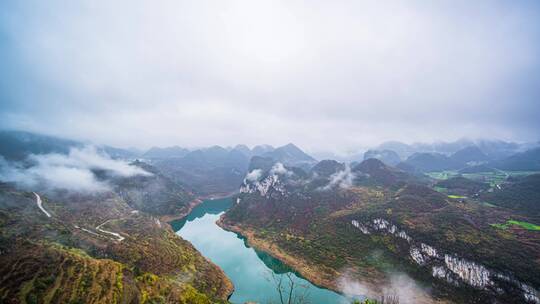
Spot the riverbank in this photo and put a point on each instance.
(318, 275)
(250, 270)
(173, 217)
(326, 277)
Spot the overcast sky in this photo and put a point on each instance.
(326, 75)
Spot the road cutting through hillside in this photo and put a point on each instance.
(117, 235)
(40, 205)
(98, 228)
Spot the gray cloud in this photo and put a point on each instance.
(254, 175)
(343, 179)
(279, 169)
(323, 75)
(66, 172)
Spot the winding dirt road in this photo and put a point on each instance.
(40, 205)
(116, 235)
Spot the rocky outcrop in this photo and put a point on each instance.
(449, 266)
(270, 184)
(417, 256)
(429, 251)
(469, 272)
(265, 187)
(382, 225)
(362, 228)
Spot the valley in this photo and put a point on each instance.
(269, 152)
(145, 230)
(250, 270)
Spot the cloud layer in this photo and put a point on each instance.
(72, 172)
(254, 175)
(279, 169)
(400, 285)
(325, 75)
(343, 179)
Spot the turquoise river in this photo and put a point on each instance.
(252, 272)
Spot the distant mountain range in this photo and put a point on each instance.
(203, 171)
(472, 157)
(524, 161)
(389, 157)
(494, 149)
(228, 165)
(465, 159)
(17, 145)
(168, 152)
(220, 170)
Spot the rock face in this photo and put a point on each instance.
(430, 251)
(267, 184)
(470, 272)
(385, 226)
(265, 187)
(449, 266)
(417, 256)
(362, 228)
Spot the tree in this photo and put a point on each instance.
(289, 288)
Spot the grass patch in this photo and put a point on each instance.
(524, 225)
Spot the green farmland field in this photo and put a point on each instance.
(525, 225)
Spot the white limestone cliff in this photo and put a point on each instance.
(447, 266)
